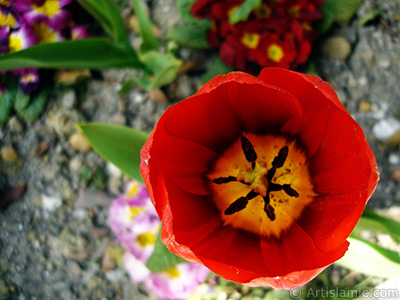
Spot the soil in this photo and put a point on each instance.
(54, 238)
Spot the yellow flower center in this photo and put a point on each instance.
(173, 272)
(275, 52)
(45, 33)
(49, 8)
(7, 19)
(14, 44)
(250, 40)
(134, 211)
(146, 239)
(262, 184)
(132, 190)
(263, 11)
(294, 11)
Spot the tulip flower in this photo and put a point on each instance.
(259, 179)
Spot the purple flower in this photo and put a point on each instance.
(29, 82)
(7, 18)
(47, 34)
(79, 32)
(4, 39)
(22, 38)
(49, 11)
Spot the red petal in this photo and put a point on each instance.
(228, 105)
(344, 173)
(317, 98)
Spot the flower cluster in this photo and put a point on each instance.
(25, 23)
(134, 221)
(277, 33)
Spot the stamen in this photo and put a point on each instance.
(273, 187)
(222, 180)
(290, 191)
(269, 209)
(248, 149)
(236, 206)
(281, 158)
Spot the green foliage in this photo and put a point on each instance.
(367, 257)
(189, 35)
(185, 7)
(30, 107)
(162, 259)
(243, 11)
(93, 53)
(93, 179)
(120, 145)
(217, 68)
(145, 27)
(7, 100)
(336, 11)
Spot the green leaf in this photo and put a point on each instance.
(337, 11)
(132, 83)
(93, 53)
(185, 7)
(162, 259)
(114, 16)
(98, 11)
(217, 68)
(189, 35)
(371, 259)
(117, 144)
(242, 12)
(164, 67)
(145, 28)
(373, 222)
(30, 110)
(7, 100)
(369, 16)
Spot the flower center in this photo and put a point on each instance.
(250, 40)
(275, 52)
(49, 8)
(146, 239)
(261, 184)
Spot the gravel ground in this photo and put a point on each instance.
(54, 240)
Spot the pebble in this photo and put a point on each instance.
(113, 170)
(394, 159)
(386, 128)
(69, 99)
(51, 203)
(79, 142)
(336, 47)
(8, 154)
(15, 125)
(396, 176)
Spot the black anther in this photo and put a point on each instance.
(248, 150)
(222, 180)
(236, 206)
(290, 191)
(281, 158)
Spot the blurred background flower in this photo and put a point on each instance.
(276, 33)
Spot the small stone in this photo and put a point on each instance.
(8, 154)
(89, 198)
(69, 99)
(51, 203)
(396, 176)
(79, 142)
(386, 128)
(336, 47)
(118, 118)
(15, 125)
(158, 96)
(107, 263)
(365, 106)
(394, 159)
(113, 170)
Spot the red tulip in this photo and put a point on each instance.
(259, 179)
